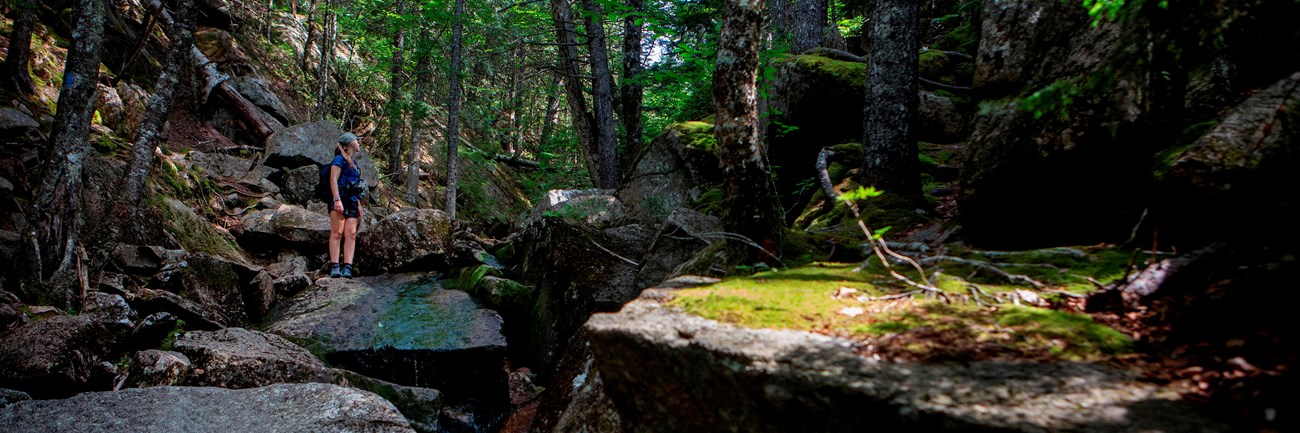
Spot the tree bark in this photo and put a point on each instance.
(57, 199)
(394, 112)
(583, 121)
(602, 99)
(418, 118)
(14, 71)
(453, 112)
(749, 204)
(328, 35)
(889, 146)
(808, 24)
(552, 110)
(311, 37)
(631, 92)
(127, 206)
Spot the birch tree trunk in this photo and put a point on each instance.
(14, 70)
(750, 206)
(631, 92)
(453, 112)
(127, 206)
(57, 199)
(602, 97)
(394, 111)
(889, 146)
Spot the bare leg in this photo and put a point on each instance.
(336, 235)
(349, 238)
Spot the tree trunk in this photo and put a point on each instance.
(749, 204)
(583, 122)
(328, 34)
(126, 207)
(889, 146)
(311, 37)
(394, 112)
(631, 90)
(57, 198)
(602, 99)
(808, 24)
(418, 118)
(453, 112)
(552, 110)
(14, 70)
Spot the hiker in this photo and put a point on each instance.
(347, 189)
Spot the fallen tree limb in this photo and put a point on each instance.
(986, 267)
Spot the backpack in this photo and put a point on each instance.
(323, 192)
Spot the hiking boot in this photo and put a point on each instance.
(347, 270)
(334, 270)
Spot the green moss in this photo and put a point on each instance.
(195, 234)
(853, 73)
(933, 64)
(710, 202)
(964, 39)
(1069, 335)
(797, 298)
(696, 135)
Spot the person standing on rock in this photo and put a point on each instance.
(347, 188)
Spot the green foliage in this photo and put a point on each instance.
(860, 194)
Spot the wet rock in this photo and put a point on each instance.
(711, 374)
(158, 368)
(405, 240)
(504, 295)
(300, 407)
(591, 410)
(59, 355)
(401, 328)
(241, 358)
(287, 225)
(260, 94)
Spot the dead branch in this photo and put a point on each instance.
(625, 259)
(986, 267)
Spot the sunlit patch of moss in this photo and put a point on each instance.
(844, 71)
(696, 135)
(1068, 335)
(798, 298)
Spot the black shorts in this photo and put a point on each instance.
(351, 207)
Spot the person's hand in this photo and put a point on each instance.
(338, 206)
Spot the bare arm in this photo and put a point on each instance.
(334, 188)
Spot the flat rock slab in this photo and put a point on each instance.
(314, 407)
(668, 371)
(402, 328)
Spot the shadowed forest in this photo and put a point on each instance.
(647, 216)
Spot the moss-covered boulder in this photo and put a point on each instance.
(1240, 174)
(677, 169)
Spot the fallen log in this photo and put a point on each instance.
(1161, 278)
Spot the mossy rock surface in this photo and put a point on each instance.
(844, 299)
